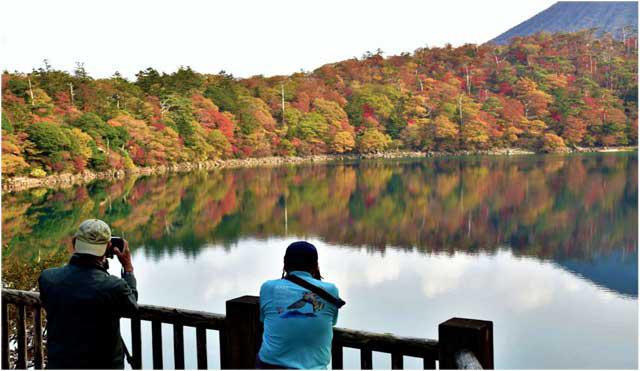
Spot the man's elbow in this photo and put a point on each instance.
(131, 308)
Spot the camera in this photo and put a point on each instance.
(116, 242)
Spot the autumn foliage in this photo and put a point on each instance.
(543, 92)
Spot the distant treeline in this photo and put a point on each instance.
(541, 92)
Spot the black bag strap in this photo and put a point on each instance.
(127, 355)
(316, 290)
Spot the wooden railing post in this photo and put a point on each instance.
(5, 335)
(243, 333)
(156, 344)
(22, 337)
(366, 359)
(336, 355)
(178, 347)
(201, 347)
(38, 355)
(459, 334)
(136, 343)
(397, 361)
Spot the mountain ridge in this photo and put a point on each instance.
(571, 16)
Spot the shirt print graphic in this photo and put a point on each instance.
(307, 298)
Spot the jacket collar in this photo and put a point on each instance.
(87, 261)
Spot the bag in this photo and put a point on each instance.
(316, 290)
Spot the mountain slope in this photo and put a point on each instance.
(615, 271)
(569, 16)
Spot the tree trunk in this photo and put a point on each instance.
(468, 81)
(461, 123)
(31, 91)
(71, 94)
(282, 93)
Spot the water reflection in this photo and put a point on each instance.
(546, 246)
(538, 307)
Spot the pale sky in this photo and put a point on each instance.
(243, 37)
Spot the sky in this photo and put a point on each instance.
(242, 37)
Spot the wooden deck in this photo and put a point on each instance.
(463, 343)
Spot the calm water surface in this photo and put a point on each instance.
(544, 246)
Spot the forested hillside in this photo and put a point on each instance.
(541, 92)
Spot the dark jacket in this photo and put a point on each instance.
(84, 304)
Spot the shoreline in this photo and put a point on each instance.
(67, 180)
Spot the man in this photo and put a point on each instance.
(298, 317)
(84, 302)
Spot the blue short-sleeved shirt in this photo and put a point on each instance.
(298, 325)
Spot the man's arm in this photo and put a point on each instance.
(127, 295)
(130, 279)
(127, 290)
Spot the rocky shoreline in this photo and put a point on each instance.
(67, 180)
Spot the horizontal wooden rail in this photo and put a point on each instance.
(386, 343)
(17, 297)
(240, 332)
(184, 317)
(369, 342)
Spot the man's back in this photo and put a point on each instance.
(298, 325)
(84, 305)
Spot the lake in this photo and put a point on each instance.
(546, 247)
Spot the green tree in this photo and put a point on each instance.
(181, 117)
(224, 91)
(100, 131)
(372, 141)
(222, 147)
(149, 81)
(184, 81)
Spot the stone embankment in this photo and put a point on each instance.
(67, 180)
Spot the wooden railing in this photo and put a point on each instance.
(368, 342)
(463, 343)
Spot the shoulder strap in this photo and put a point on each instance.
(127, 355)
(316, 290)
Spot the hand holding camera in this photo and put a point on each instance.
(120, 248)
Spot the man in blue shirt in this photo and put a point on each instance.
(298, 323)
